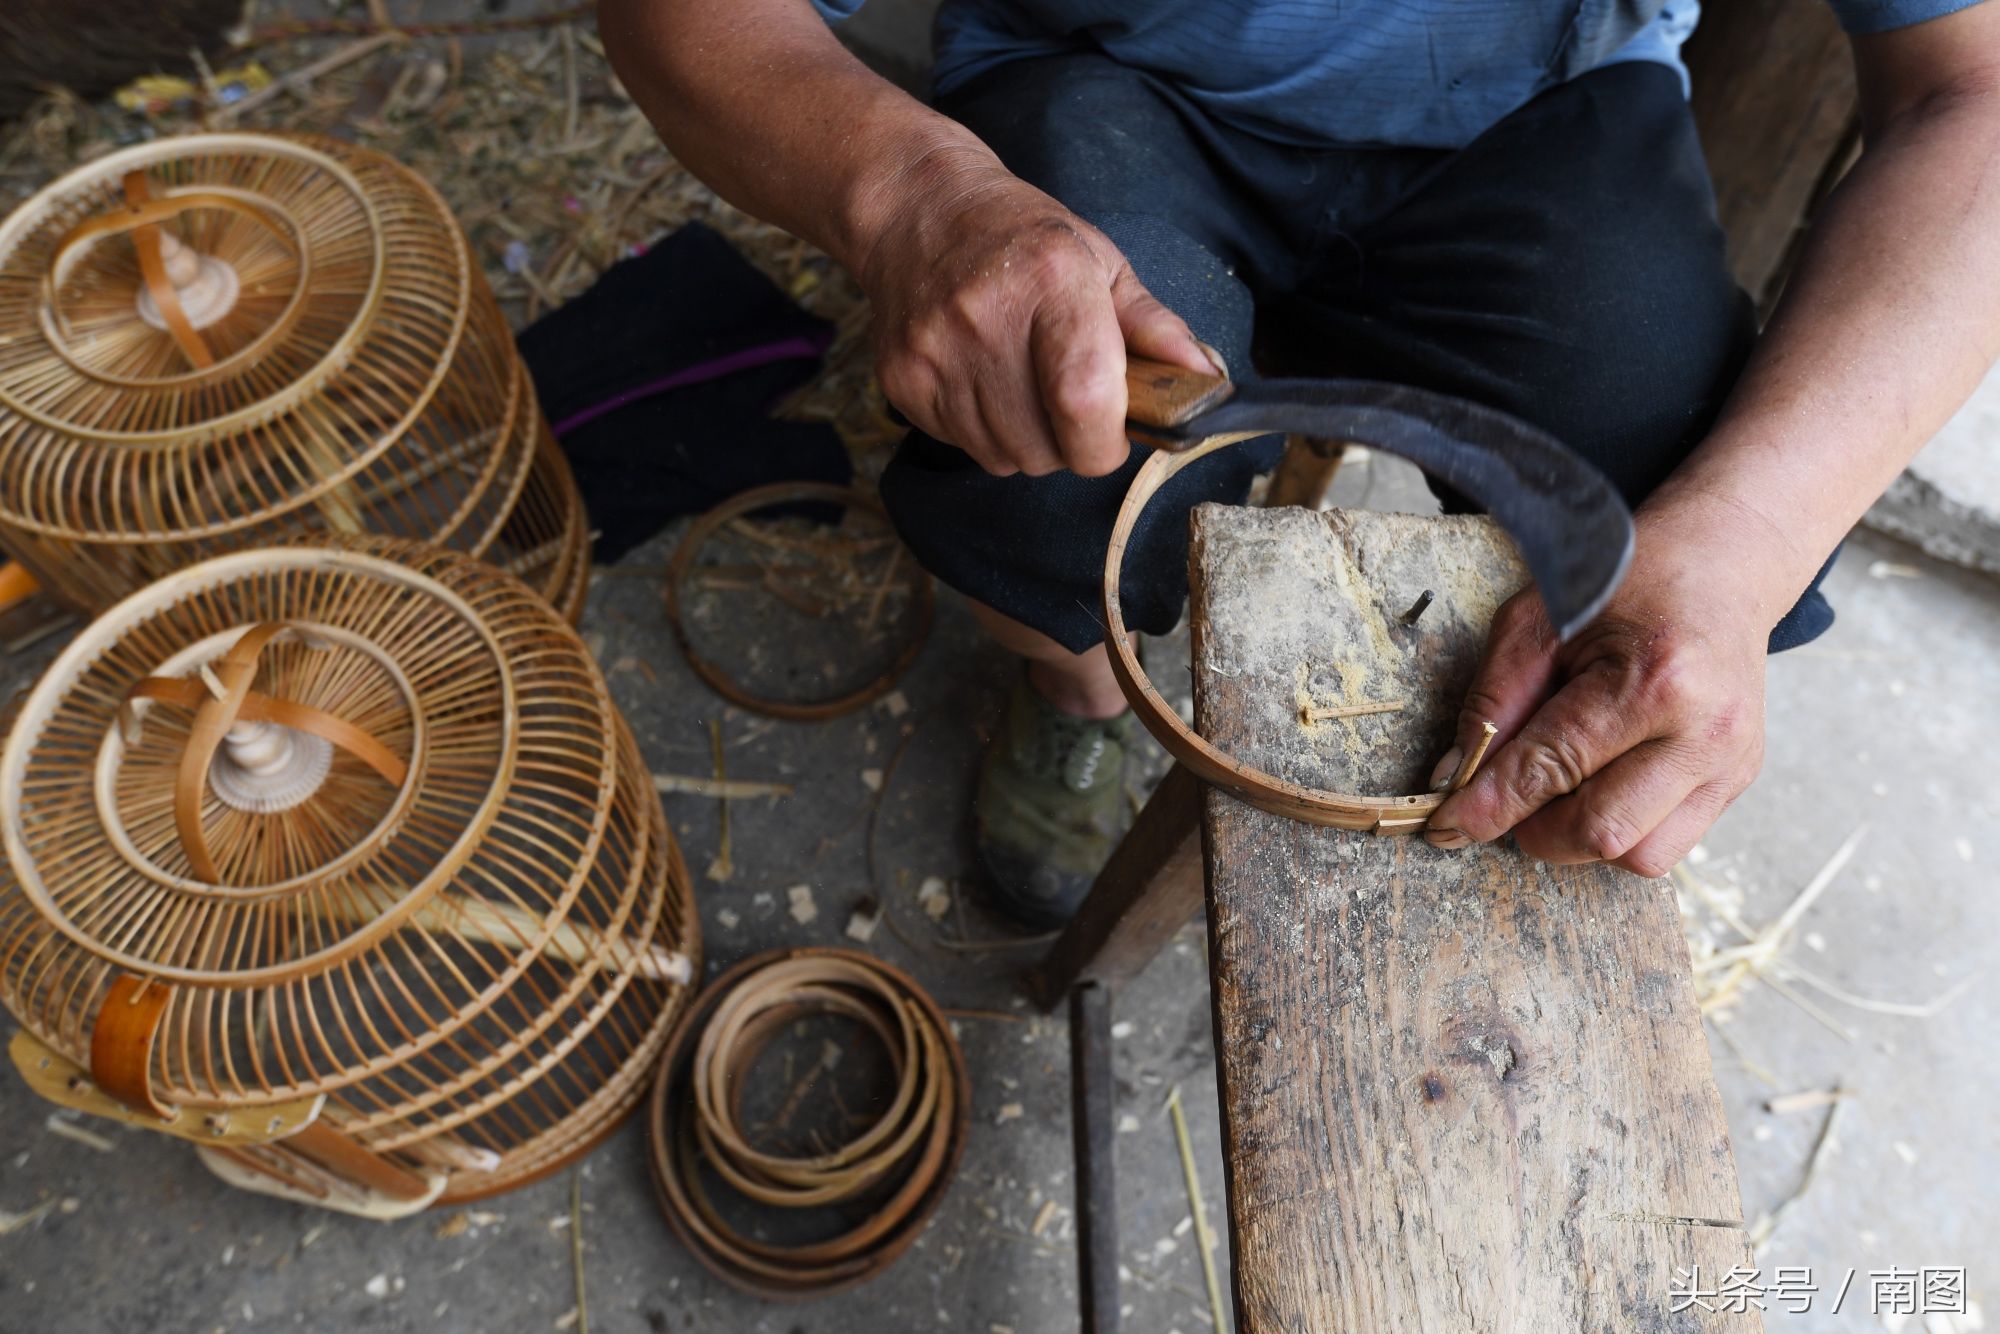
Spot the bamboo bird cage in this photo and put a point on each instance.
(231, 340)
(338, 860)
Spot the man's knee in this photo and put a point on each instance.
(1568, 267)
(1187, 278)
(1657, 335)
(1109, 143)
(1095, 134)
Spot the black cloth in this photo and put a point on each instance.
(659, 381)
(1566, 267)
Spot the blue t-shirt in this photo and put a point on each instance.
(1412, 73)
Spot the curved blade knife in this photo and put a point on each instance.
(1572, 527)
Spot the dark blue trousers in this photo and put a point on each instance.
(1566, 267)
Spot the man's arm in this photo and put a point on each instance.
(1888, 323)
(1001, 319)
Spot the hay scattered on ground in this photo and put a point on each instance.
(552, 170)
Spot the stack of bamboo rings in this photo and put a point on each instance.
(231, 340)
(895, 1171)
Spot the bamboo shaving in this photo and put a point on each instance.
(1823, 1145)
(725, 788)
(71, 1131)
(12, 1222)
(1204, 1238)
(1805, 1100)
(1720, 973)
(1921, 1010)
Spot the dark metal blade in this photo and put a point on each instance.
(1572, 527)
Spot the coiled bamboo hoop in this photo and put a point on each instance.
(687, 559)
(339, 860)
(231, 340)
(888, 1179)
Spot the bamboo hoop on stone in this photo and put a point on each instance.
(1245, 782)
(907, 1155)
(765, 497)
(229, 340)
(430, 958)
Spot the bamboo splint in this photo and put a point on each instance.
(489, 923)
(231, 340)
(338, 861)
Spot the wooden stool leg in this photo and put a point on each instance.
(1153, 884)
(1305, 472)
(1147, 891)
(1091, 1107)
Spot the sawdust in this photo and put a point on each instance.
(1362, 594)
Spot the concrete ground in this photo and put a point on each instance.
(1880, 727)
(1878, 731)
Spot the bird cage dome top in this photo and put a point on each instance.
(200, 333)
(345, 794)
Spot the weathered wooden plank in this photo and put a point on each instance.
(1460, 1091)
(1774, 100)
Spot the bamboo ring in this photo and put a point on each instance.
(1245, 782)
(910, 1151)
(764, 497)
(214, 715)
(142, 218)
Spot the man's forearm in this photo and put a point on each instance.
(1001, 319)
(760, 101)
(1625, 743)
(1890, 320)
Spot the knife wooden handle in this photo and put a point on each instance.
(1157, 394)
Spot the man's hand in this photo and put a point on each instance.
(1625, 744)
(1002, 318)
(1002, 322)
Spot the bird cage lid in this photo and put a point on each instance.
(423, 660)
(207, 330)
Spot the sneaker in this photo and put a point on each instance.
(1050, 807)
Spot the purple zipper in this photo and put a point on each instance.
(787, 349)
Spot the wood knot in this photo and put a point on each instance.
(1486, 1040)
(1434, 1087)
(1498, 1050)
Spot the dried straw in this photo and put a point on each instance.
(552, 169)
